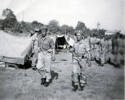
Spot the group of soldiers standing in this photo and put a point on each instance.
(101, 49)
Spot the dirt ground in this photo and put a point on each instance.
(103, 83)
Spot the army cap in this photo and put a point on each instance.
(37, 29)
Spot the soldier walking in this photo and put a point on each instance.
(45, 56)
(80, 54)
(35, 48)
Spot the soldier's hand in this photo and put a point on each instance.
(53, 58)
(71, 49)
(38, 49)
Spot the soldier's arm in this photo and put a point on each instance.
(72, 49)
(53, 49)
(38, 40)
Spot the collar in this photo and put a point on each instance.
(44, 38)
(80, 42)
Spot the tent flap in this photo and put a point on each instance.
(13, 49)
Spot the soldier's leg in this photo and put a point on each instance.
(48, 68)
(43, 77)
(40, 67)
(103, 59)
(75, 72)
(39, 64)
(82, 77)
(34, 61)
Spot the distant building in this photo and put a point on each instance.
(108, 32)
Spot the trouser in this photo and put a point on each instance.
(34, 59)
(103, 59)
(44, 65)
(78, 71)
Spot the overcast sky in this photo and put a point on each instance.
(108, 12)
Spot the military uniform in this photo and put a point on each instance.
(92, 48)
(98, 50)
(45, 45)
(34, 50)
(102, 51)
(88, 48)
(107, 50)
(80, 55)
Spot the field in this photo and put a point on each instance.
(103, 83)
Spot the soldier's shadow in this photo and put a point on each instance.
(54, 76)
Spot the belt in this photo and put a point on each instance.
(45, 51)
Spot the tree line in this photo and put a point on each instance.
(10, 23)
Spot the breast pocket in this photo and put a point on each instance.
(81, 49)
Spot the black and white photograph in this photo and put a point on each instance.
(62, 49)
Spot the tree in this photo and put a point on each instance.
(10, 20)
(54, 23)
(80, 26)
(1, 24)
(71, 30)
(36, 24)
(101, 33)
(64, 29)
(53, 26)
(98, 33)
(26, 27)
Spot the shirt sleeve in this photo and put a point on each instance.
(39, 42)
(52, 45)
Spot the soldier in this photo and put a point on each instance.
(92, 43)
(107, 49)
(97, 50)
(35, 48)
(102, 51)
(88, 48)
(79, 52)
(45, 55)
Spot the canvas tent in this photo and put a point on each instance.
(62, 41)
(14, 49)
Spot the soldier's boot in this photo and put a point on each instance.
(34, 68)
(43, 81)
(82, 81)
(47, 83)
(101, 65)
(82, 85)
(75, 86)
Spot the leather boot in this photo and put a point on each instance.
(75, 87)
(43, 81)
